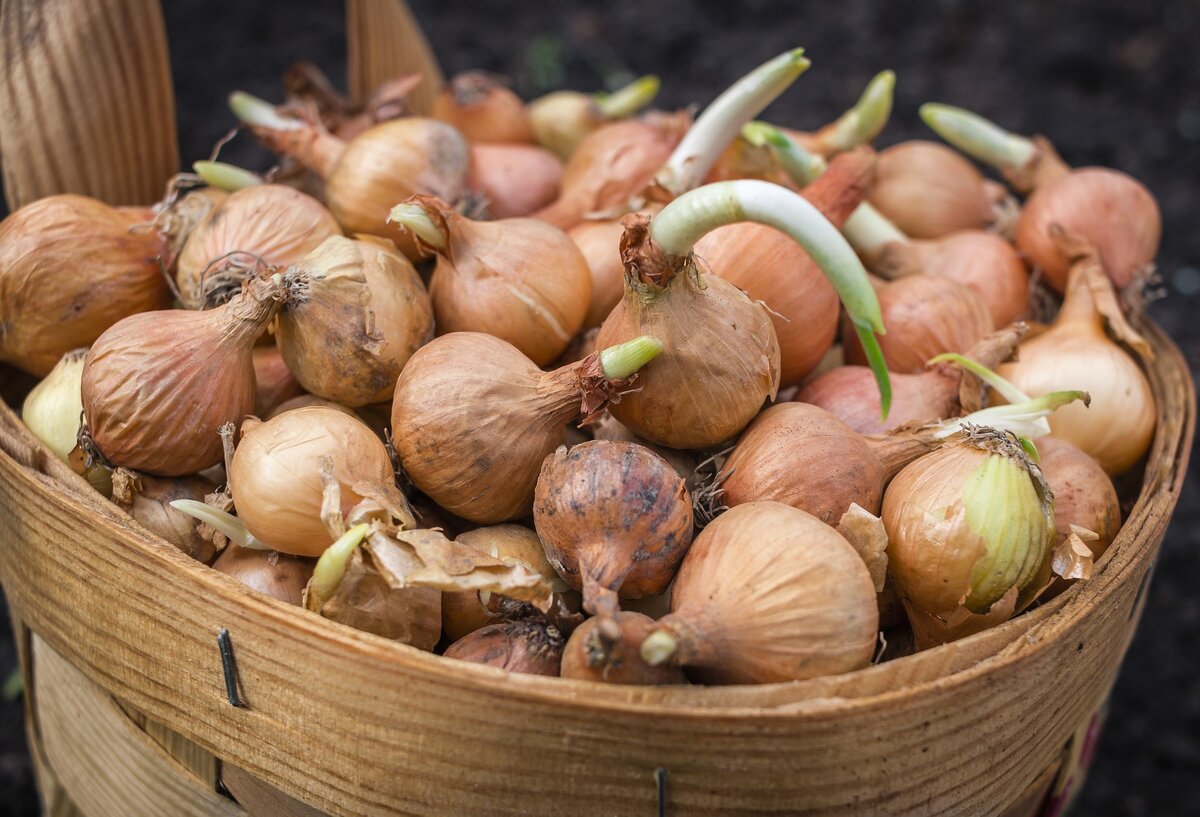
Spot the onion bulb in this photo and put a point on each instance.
(599, 241)
(306, 400)
(275, 475)
(563, 119)
(473, 418)
(515, 180)
(71, 267)
(267, 571)
(1084, 496)
(482, 109)
(521, 280)
(158, 386)
(766, 594)
(274, 382)
(256, 228)
(589, 656)
(355, 315)
(1075, 352)
(529, 645)
(614, 518)
(928, 190)
(148, 500)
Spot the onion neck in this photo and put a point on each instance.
(584, 389)
(872, 234)
(246, 315)
(309, 144)
(627, 101)
(896, 450)
(677, 641)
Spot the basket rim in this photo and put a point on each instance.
(1006, 645)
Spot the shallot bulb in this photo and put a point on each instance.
(356, 313)
(928, 191)
(515, 180)
(521, 280)
(267, 571)
(1084, 496)
(275, 475)
(530, 646)
(158, 386)
(258, 227)
(473, 418)
(71, 267)
(590, 656)
(615, 519)
(274, 382)
(482, 109)
(563, 119)
(767, 593)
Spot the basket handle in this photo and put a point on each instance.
(383, 41)
(87, 104)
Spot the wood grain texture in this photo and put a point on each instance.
(351, 724)
(86, 103)
(383, 41)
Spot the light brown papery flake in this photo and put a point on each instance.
(931, 630)
(866, 533)
(1072, 559)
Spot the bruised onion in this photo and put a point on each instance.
(590, 656)
(482, 109)
(767, 593)
(615, 518)
(266, 571)
(521, 280)
(274, 382)
(355, 314)
(529, 645)
(563, 119)
(1084, 496)
(473, 418)
(71, 267)
(928, 190)
(148, 500)
(258, 227)
(158, 386)
(515, 180)
(275, 475)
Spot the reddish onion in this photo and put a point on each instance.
(589, 656)
(515, 180)
(530, 646)
(482, 109)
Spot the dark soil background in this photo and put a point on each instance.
(1112, 83)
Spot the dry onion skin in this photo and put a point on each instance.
(1109, 209)
(274, 382)
(1084, 496)
(267, 571)
(258, 227)
(158, 386)
(515, 180)
(71, 267)
(768, 593)
(929, 191)
(482, 109)
(590, 656)
(275, 474)
(473, 418)
(148, 500)
(614, 518)
(563, 119)
(599, 241)
(356, 313)
(521, 280)
(530, 646)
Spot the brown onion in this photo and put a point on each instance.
(766, 594)
(482, 109)
(515, 180)
(530, 645)
(600, 243)
(275, 475)
(355, 315)
(267, 571)
(473, 418)
(148, 500)
(589, 656)
(929, 191)
(563, 119)
(71, 267)
(1084, 496)
(521, 280)
(158, 386)
(607, 427)
(274, 382)
(268, 225)
(614, 518)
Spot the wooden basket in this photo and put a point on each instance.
(129, 711)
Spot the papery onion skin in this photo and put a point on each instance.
(71, 267)
(357, 313)
(53, 407)
(275, 475)
(529, 646)
(515, 180)
(265, 571)
(589, 657)
(1112, 210)
(768, 593)
(274, 382)
(803, 456)
(1083, 494)
(850, 394)
(149, 500)
(928, 190)
(268, 224)
(483, 110)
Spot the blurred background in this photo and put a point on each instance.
(1111, 83)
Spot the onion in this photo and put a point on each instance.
(515, 180)
(264, 226)
(1084, 496)
(274, 382)
(148, 500)
(71, 267)
(685, 463)
(599, 242)
(589, 656)
(306, 400)
(521, 280)
(1075, 352)
(929, 191)
(925, 316)
(158, 386)
(355, 315)
(266, 571)
(727, 362)
(275, 475)
(768, 593)
(473, 418)
(614, 518)
(529, 645)
(563, 119)
(483, 110)
(364, 178)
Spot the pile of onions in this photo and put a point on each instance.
(71, 267)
